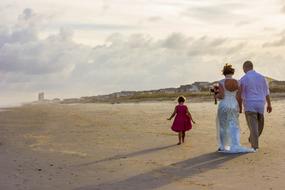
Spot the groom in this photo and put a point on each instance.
(254, 93)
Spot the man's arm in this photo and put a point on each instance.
(268, 101)
(269, 108)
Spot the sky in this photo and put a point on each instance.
(88, 47)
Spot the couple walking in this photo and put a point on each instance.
(252, 92)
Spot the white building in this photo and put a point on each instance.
(41, 96)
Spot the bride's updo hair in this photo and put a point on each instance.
(228, 69)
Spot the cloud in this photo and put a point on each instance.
(277, 43)
(105, 5)
(270, 64)
(30, 64)
(97, 27)
(27, 14)
(23, 32)
(173, 60)
(154, 19)
(283, 9)
(244, 23)
(222, 12)
(176, 41)
(54, 54)
(60, 66)
(57, 62)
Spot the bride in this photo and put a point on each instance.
(228, 113)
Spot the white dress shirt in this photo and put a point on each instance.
(254, 91)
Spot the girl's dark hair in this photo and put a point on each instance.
(181, 99)
(228, 70)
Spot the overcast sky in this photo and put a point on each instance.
(88, 47)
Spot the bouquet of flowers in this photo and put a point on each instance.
(215, 90)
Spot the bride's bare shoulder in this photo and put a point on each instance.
(231, 85)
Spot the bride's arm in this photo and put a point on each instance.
(239, 98)
(221, 93)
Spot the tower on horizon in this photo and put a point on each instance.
(41, 96)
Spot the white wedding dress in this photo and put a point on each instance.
(228, 123)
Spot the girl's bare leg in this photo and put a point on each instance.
(179, 138)
(183, 136)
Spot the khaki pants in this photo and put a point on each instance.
(255, 122)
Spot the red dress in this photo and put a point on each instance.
(182, 121)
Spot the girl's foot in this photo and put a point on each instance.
(179, 143)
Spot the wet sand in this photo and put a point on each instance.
(131, 146)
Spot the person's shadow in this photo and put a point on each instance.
(168, 174)
(127, 155)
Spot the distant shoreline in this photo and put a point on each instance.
(5, 106)
(197, 97)
(194, 98)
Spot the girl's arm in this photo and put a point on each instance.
(190, 116)
(173, 114)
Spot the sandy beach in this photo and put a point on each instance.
(130, 146)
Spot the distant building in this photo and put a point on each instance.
(101, 97)
(56, 100)
(188, 88)
(124, 94)
(167, 90)
(202, 86)
(214, 83)
(71, 100)
(277, 84)
(41, 96)
(148, 92)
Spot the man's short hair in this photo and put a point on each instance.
(248, 64)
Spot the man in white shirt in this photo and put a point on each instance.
(253, 94)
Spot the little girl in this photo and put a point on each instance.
(182, 121)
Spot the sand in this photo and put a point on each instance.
(131, 146)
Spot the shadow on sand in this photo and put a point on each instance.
(128, 155)
(168, 174)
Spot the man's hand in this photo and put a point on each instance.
(269, 109)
